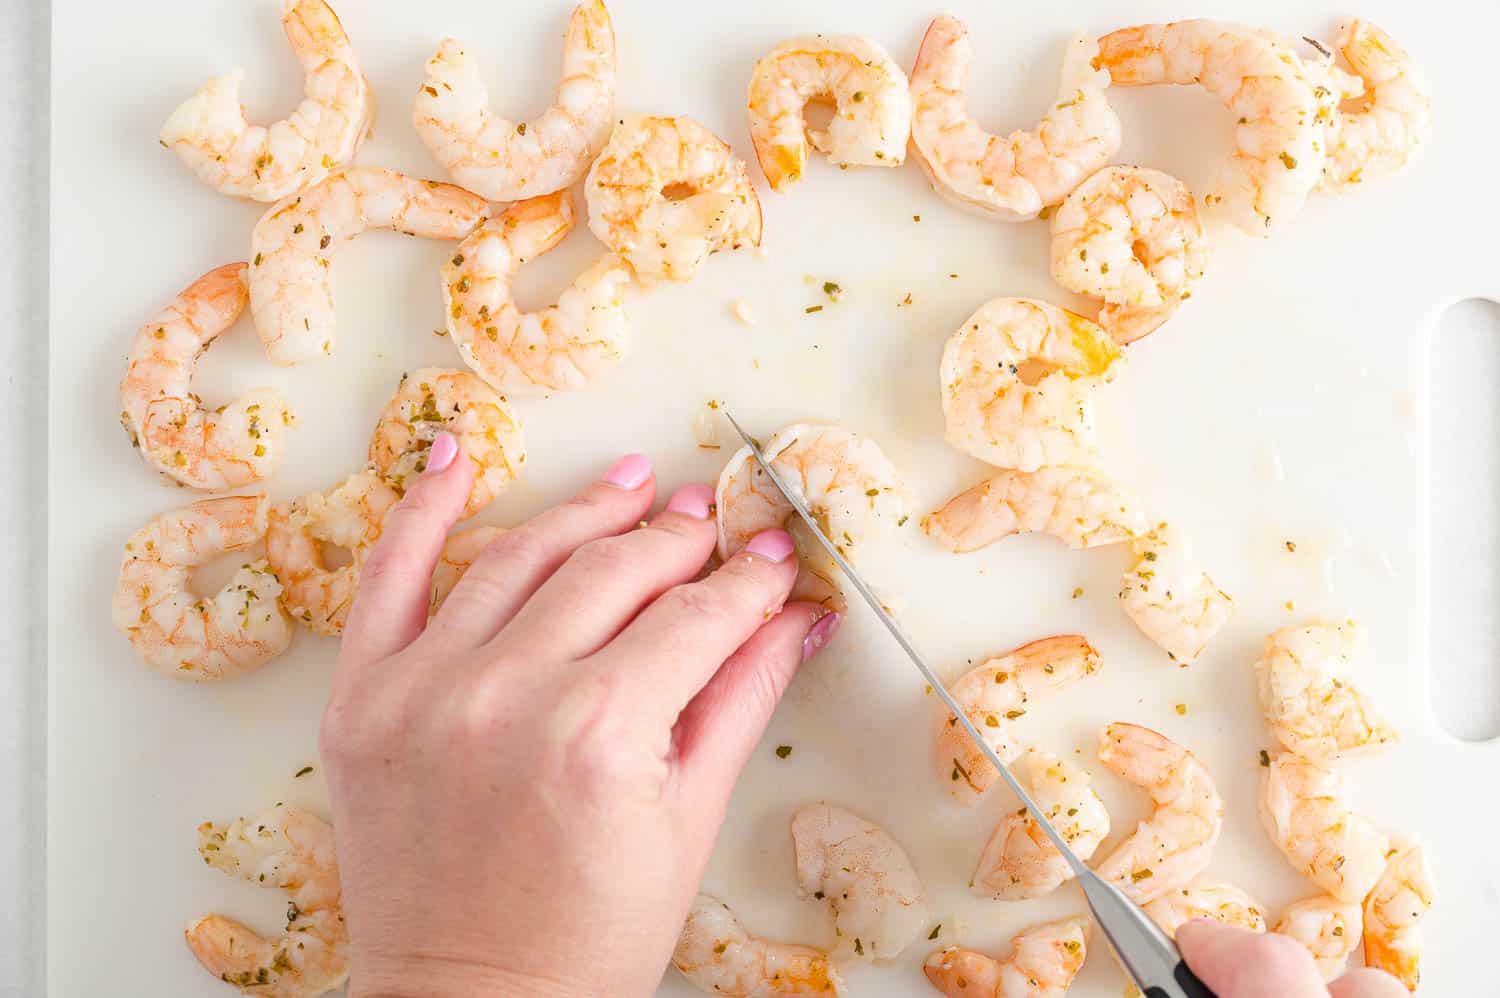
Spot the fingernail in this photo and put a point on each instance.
(696, 501)
(772, 545)
(442, 452)
(822, 632)
(629, 472)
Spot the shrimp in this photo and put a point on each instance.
(1337, 849)
(1132, 237)
(1207, 899)
(290, 294)
(1082, 507)
(1310, 710)
(563, 346)
(1042, 963)
(865, 876)
(1280, 141)
(872, 116)
(1169, 849)
(997, 692)
(1326, 927)
(666, 193)
(1011, 178)
(209, 132)
(434, 400)
(717, 955)
(1392, 121)
(1019, 861)
(235, 631)
(1016, 380)
(1170, 598)
(201, 448)
(505, 160)
(1393, 916)
(290, 849)
(459, 553)
(348, 517)
(849, 486)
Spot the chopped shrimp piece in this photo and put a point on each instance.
(1042, 963)
(872, 115)
(1014, 177)
(1169, 849)
(1303, 812)
(290, 849)
(1207, 899)
(203, 448)
(235, 631)
(1016, 380)
(563, 346)
(291, 246)
(1326, 927)
(507, 161)
(718, 956)
(459, 553)
(1170, 598)
(209, 132)
(866, 878)
(997, 692)
(1082, 507)
(1019, 861)
(666, 193)
(1393, 914)
(1130, 236)
(1309, 708)
(1392, 120)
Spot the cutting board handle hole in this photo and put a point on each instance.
(1463, 555)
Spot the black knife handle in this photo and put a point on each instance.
(1187, 981)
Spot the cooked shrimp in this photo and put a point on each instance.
(235, 631)
(1082, 507)
(459, 553)
(290, 294)
(1310, 710)
(1302, 810)
(1016, 380)
(1014, 177)
(866, 878)
(1392, 120)
(203, 448)
(1170, 598)
(286, 848)
(1130, 236)
(209, 132)
(1279, 139)
(1019, 861)
(851, 488)
(1042, 963)
(564, 345)
(1169, 849)
(997, 692)
(717, 955)
(1327, 928)
(872, 114)
(1207, 899)
(666, 193)
(1393, 916)
(434, 400)
(505, 160)
(348, 517)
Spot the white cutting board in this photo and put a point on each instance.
(1286, 401)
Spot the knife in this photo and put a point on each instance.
(1148, 955)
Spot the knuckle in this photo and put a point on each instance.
(1282, 957)
(698, 599)
(607, 556)
(521, 547)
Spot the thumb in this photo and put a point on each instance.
(1238, 963)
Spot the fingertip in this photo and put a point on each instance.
(629, 472)
(1229, 959)
(821, 632)
(441, 454)
(774, 546)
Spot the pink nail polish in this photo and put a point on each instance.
(821, 633)
(772, 545)
(629, 472)
(442, 452)
(696, 501)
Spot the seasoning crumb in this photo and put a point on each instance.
(813, 308)
(1181, 710)
(741, 311)
(1077, 591)
(916, 218)
(935, 930)
(832, 290)
(302, 772)
(782, 751)
(1291, 546)
(1265, 758)
(1290, 606)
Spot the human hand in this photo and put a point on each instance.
(1238, 963)
(526, 789)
